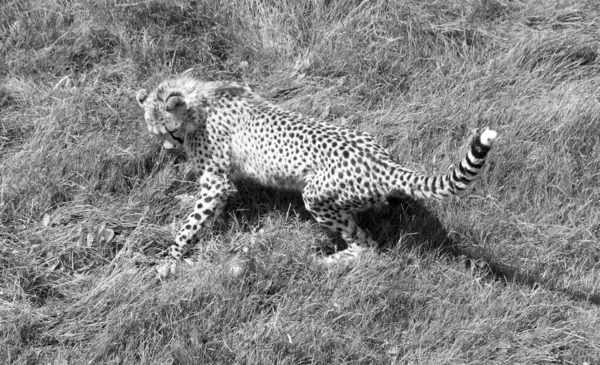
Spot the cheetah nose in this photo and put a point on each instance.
(168, 145)
(162, 129)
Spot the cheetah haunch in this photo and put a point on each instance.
(229, 132)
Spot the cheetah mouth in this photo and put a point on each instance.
(177, 139)
(171, 140)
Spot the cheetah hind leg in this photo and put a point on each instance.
(343, 222)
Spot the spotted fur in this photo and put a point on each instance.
(229, 132)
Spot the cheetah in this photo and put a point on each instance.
(229, 132)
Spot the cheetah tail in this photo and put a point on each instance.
(459, 179)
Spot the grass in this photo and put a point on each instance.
(89, 201)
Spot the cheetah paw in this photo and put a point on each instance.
(333, 259)
(347, 256)
(166, 269)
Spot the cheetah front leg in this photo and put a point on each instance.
(214, 190)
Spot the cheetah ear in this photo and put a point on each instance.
(141, 97)
(174, 102)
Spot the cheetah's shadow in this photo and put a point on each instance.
(405, 222)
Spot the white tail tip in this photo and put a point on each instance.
(488, 137)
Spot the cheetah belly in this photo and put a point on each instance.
(267, 177)
(268, 171)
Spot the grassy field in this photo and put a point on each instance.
(89, 201)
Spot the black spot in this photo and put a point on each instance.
(208, 199)
(197, 216)
(207, 212)
(346, 154)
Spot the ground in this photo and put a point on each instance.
(89, 200)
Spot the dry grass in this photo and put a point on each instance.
(509, 273)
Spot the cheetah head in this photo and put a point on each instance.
(165, 114)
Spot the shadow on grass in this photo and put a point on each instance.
(408, 222)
